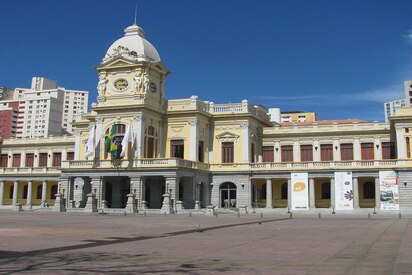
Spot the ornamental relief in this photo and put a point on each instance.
(176, 131)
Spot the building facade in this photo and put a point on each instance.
(138, 152)
(41, 111)
(392, 108)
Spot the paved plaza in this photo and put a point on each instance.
(63, 243)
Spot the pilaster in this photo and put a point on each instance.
(245, 141)
(15, 192)
(355, 193)
(269, 193)
(312, 204)
(194, 142)
(1, 192)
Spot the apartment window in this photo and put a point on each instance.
(29, 160)
(301, 118)
(286, 153)
(57, 159)
(16, 160)
(3, 160)
(306, 153)
(267, 154)
(177, 148)
(70, 156)
(346, 151)
(326, 152)
(252, 149)
(227, 152)
(367, 151)
(388, 150)
(43, 160)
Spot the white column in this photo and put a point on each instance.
(245, 142)
(316, 150)
(296, 151)
(377, 193)
(312, 193)
(378, 149)
(336, 151)
(194, 142)
(29, 193)
(36, 158)
(355, 193)
(1, 192)
(23, 159)
(10, 160)
(49, 158)
(289, 194)
(15, 192)
(332, 193)
(139, 134)
(356, 149)
(400, 143)
(161, 141)
(77, 144)
(277, 152)
(269, 193)
(44, 192)
(210, 145)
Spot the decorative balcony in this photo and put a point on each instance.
(30, 170)
(137, 163)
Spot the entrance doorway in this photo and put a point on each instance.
(228, 195)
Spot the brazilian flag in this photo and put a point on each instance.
(110, 143)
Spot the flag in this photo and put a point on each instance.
(110, 143)
(90, 143)
(125, 141)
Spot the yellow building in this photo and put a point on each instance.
(137, 152)
(298, 116)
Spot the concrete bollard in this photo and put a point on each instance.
(319, 216)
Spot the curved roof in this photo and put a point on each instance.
(132, 46)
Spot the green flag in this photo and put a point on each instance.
(110, 143)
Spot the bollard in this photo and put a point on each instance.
(290, 215)
(238, 215)
(333, 211)
(400, 216)
(144, 213)
(374, 210)
(369, 215)
(288, 210)
(190, 214)
(319, 216)
(164, 214)
(261, 215)
(216, 215)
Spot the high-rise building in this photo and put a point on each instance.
(408, 92)
(392, 108)
(41, 111)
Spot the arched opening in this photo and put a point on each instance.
(53, 191)
(25, 191)
(228, 195)
(284, 191)
(369, 190)
(150, 142)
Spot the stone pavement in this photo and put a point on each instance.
(62, 243)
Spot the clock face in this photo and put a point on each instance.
(153, 87)
(120, 84)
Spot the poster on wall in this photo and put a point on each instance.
(300, 192)
(343, 191)
(389, 191)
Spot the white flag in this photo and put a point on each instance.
(90, 143)
(125, 141)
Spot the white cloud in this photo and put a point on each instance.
(408, 36)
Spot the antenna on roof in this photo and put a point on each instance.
(135, 14)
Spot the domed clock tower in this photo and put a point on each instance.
(131, 73)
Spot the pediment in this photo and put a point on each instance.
(227, 136)
(119, 62)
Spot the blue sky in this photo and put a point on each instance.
(341, 59)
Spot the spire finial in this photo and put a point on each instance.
(135, 14)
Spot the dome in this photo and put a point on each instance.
(133, 47)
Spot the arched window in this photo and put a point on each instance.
(120, 130)
(369, 190)
(326, 191)
(150, 142)
(284, 195)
